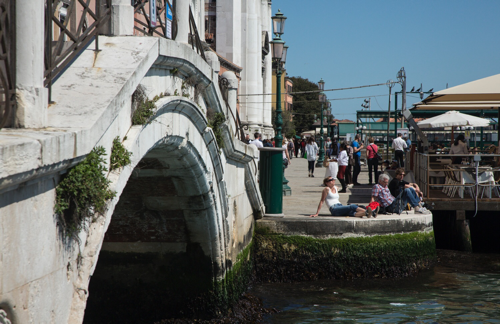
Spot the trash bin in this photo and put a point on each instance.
(271, 179)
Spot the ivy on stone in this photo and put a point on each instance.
(83, 193)
(142, 108)
(120, 157)
(215, 121)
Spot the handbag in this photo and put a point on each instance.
(377, 155)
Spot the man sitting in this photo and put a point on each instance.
(398, 183)
(382, 194)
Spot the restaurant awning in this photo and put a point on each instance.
(482, 94)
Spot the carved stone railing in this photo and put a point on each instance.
(7, 61)
(70, 26)
(142, 19)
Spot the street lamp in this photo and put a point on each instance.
(322, 99)
(279, 57)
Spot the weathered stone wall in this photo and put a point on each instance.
(44, 277)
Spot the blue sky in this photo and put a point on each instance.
(353, 43)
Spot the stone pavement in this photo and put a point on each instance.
(306, 193)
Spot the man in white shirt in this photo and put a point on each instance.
(399, 144)
(257, 143)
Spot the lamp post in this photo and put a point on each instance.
(279, 57)
(277, 47)
(322, 99)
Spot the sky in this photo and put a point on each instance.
(352, 43)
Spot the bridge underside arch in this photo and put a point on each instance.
(166, 239)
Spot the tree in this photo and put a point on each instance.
(305, 105)
(288, 128)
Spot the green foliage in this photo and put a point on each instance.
(305, 105)
(143, 108)
(83, 193)
(215, 120)
(288, 128)
(305, 258)
(120, 157)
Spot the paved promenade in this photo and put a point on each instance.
(306, 193)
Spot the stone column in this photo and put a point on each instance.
(182, 13)
(122, 18)
(228, 30)
(252, 105)
(31, 95)
(268, 71)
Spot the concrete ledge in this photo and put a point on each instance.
(329, 227)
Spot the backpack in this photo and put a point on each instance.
(335, 149)
(290, 145)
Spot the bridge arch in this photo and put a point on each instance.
(171, 213)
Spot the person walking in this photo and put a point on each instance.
(357, 146)
(371, 156)
(328, 147)
(312, 151)
(331, 197)
(296, 145)
(348, 171)
(287, 159)
(343, 161)
(398, 145)
(290, 148)
(302, 147)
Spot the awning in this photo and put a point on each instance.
(483, 94)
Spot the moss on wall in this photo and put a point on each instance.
(281, 258)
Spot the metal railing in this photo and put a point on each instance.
(224, 90)
(7, 62)
(194, 37)
(439, 178)
(142, 19)
(70, 26)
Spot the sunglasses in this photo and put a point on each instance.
(329, 180)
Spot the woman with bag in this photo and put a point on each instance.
(372, 156)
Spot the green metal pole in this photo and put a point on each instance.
(278, 139)
(395, 114)
(321, 142)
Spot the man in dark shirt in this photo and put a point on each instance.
(411, 190)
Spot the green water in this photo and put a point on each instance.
(459, 290)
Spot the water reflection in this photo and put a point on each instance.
(454, 291)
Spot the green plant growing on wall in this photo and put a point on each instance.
(83, 193)
(142, 107)
(120, 157)
(215, 121)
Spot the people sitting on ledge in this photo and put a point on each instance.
(331, 197)
(398, 183)
(388, 202)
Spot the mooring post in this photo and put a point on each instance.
(463, 229)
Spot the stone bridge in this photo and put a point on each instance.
(184, 208)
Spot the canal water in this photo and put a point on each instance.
(460, 288)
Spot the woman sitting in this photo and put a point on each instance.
(331, 196)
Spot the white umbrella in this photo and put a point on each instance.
(453, 118)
